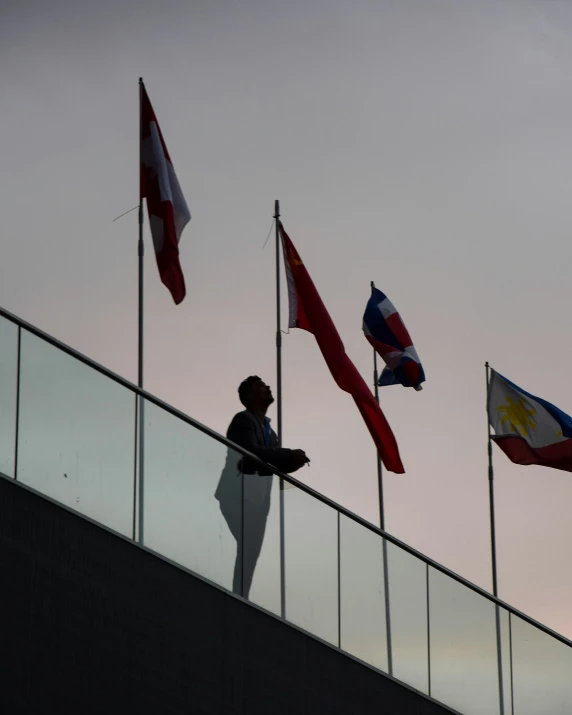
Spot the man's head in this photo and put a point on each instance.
(255, 394)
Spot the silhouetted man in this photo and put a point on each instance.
(245, 485)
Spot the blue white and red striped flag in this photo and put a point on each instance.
(389, 337)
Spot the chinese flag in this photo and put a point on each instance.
(309, 313)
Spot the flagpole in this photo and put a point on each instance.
(141, 253)
(382, 527)
(278, 328)
(494, 543)
(379, 464)
(491, 493)
(279, 409)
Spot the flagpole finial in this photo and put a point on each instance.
(277, 209)
(372, 284)
(140, 80)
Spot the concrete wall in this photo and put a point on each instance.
(90, 623)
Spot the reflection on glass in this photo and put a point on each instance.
(249, 502)
(542, 672)
(265, 589)
(76, 436)
(8, 378)
(182, 516)
(464, 663)
(408, 617)
(362, 598)
(311, 544)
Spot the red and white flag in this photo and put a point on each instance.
(166, 205)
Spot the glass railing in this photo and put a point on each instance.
(97, 444)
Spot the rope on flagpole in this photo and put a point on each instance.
(269, 233)
(125, 213)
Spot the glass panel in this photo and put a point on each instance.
(265, 589)
(464, 664)
(76, 435)
(542, 671)
(311, 544)
(8, 379)
(362, 593)
(408, 617)
(194, 513)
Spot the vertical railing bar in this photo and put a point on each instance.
(387, 608)
(135, 468)
(428, 635)
(339, 585)
(242, 544)
(141, 465)
(17, 416)
(281, 517)
(510, 660)
(499, 660)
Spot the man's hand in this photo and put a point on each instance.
(299, 458)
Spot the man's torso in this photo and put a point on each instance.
(257, 481)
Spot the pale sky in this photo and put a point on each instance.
(422, 144)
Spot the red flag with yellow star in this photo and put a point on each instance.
(309, 313)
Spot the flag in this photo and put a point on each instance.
(528, 429)
(389, 337)
(166, 205)
(309, 313)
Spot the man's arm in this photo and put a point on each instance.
(242, 431)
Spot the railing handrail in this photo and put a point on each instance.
(286, 477)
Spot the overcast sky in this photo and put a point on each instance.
(422, 144)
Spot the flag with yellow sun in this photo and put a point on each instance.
(528, 429)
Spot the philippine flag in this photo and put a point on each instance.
(387, 333)
(529, 430)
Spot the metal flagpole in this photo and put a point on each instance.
(278, 327)
(493, 543)
(141, 253)
(140, 247)
(279, 409)
(379, 465)
(382, 526)
(491, 493)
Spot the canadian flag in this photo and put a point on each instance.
(166, 205)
